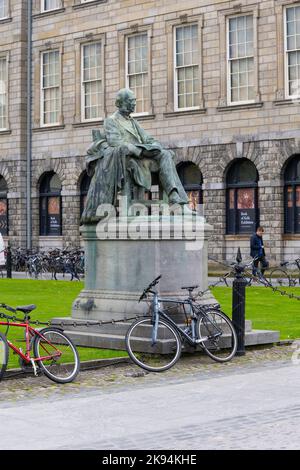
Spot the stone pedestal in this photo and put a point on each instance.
(123, 256)
(120, 265)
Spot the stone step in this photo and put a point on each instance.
(117, 341)
(114, 329)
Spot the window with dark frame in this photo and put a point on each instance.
(84, 187)
(186, 67)
(50, 205)
(242, 211)
(137, 70)
(48, 5)
(3, 207)
(241, 59)
(191, 178)
(4, 9)
(292, 196)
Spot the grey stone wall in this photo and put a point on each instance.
(266, 132)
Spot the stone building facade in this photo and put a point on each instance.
(217, 82)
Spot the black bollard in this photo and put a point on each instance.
(238, 304)
(8, 261)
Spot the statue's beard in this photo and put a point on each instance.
(126, 111)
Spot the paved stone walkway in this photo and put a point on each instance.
(252, 402)
(127, 375)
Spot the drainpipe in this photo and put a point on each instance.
(29, 127)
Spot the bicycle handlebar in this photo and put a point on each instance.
(147, 289)
(7, 307)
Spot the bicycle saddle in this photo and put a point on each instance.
(26, 308)
(284, 263)
(189, 287)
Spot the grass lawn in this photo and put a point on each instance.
(267, 310)
(53, 299)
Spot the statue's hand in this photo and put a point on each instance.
(131, 150)
(150, 153)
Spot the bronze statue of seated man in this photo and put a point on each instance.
(124, 155)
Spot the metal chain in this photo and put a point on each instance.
(73, 323)
(275, 289)
(222, 279)
(76, 323)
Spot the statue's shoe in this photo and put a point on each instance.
(174, 198)
(186, 210)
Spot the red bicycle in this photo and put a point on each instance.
(54, 354)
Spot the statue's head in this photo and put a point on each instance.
(125, 101)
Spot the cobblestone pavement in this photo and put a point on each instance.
(251, 402)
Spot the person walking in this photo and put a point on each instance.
(257, 251)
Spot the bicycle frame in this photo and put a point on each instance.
(30, 332)
(156, 313)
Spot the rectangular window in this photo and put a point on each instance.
(50, 84)
(48, 5)
(292, 51)
(3, 9)
(92, 82)
(186, 67)
(241, 88)
(3, 93)
(137, 76)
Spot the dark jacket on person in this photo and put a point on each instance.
(256, 246)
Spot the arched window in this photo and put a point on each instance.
(242, 198)
(50, 205)
(292, 196)
(191, 179)
(3, 207)
(84, 187)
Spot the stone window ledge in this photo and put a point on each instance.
(5, 132)
(5, 20)
(48, 128)
(88, 123)
(43, 14)
(187, 112)
(144, 117)
(88, 4)
(290, 236)
(286, 102)
(50, 237)
(238, 237)
(239, 107)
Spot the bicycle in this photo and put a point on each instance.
(155, 342)
(54, 354)
(280, 276)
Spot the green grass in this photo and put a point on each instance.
(267, 310)
(53, 299)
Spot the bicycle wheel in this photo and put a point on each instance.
(218, 335)
(153, 357)
(60, 360)
(3, 354)
(279, 277)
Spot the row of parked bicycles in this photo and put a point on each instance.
(39, 265)
(287, 274)
(153, 341)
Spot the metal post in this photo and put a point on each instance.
(29, 127)
(8, 261)
(238, 303)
